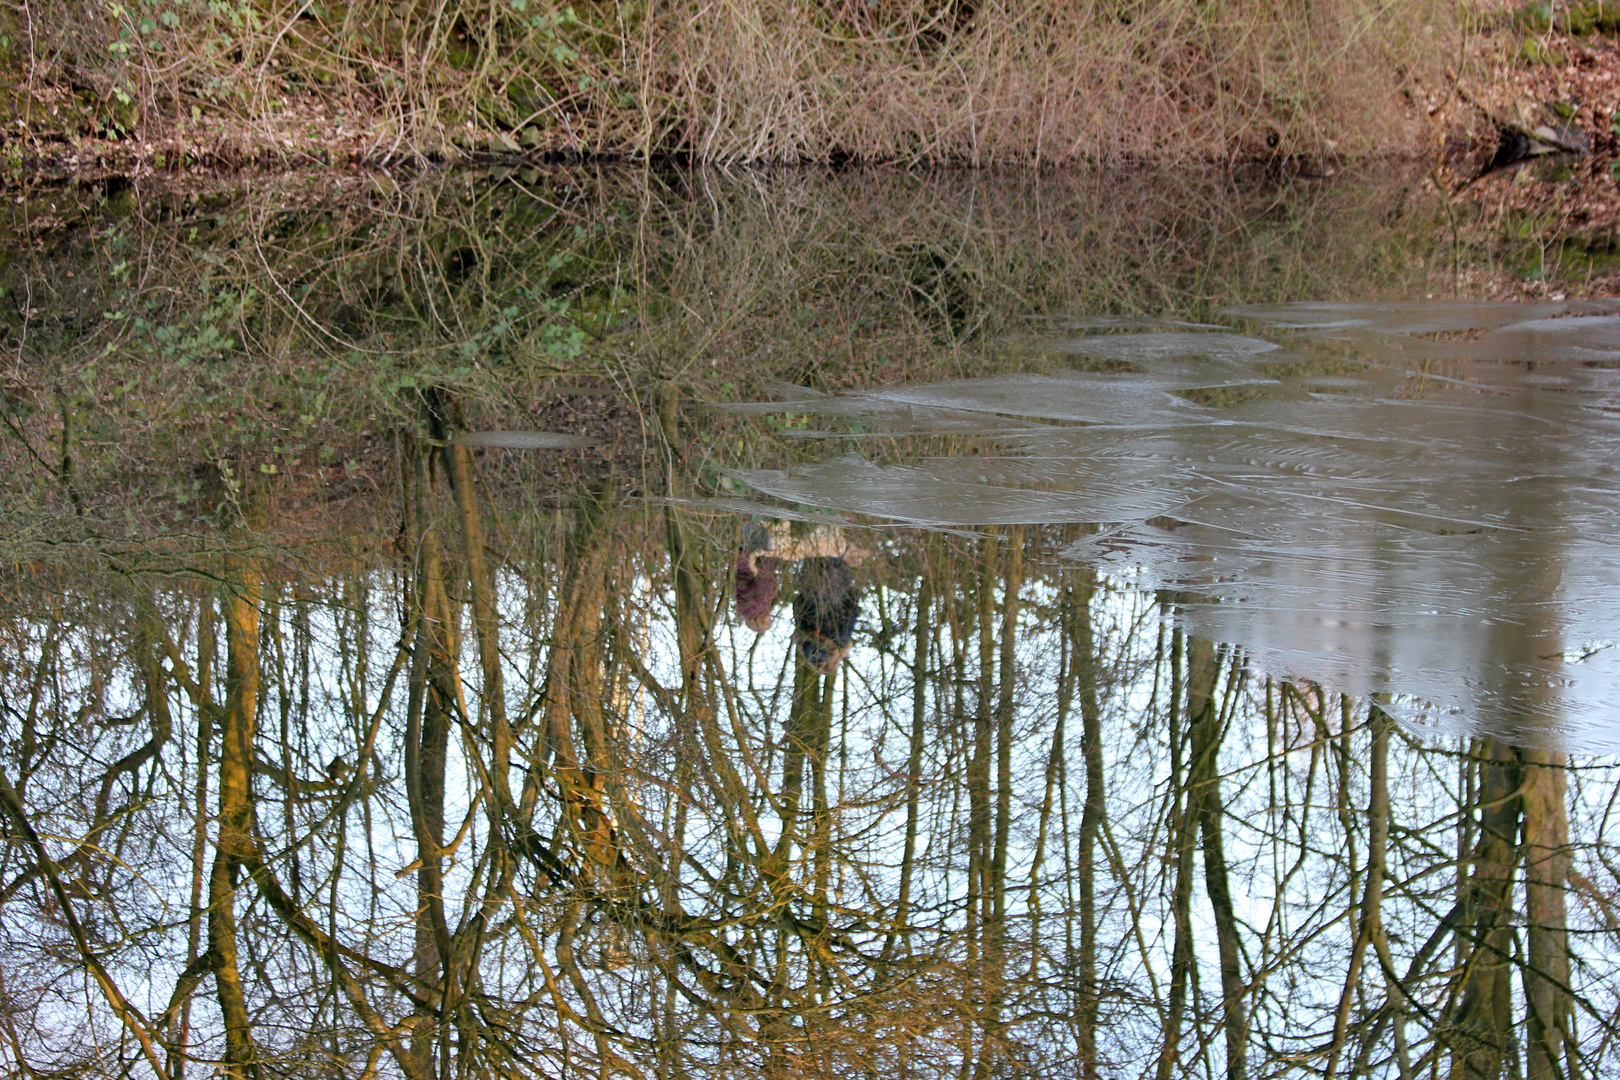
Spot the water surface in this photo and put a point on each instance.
(558, 623)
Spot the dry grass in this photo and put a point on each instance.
(1039, 83)
(940, 81)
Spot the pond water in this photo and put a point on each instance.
(554, 623)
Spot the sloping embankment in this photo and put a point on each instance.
(175, 82)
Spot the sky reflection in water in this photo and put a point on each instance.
(1349, 501)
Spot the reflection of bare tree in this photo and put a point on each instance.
(665, 859)
(1201, 814)
(1548, 1025)
(236, 848)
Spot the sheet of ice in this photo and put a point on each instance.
(1379, 512)
(524, 440)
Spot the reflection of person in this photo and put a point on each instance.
(826, 602)
(756, 578)
(824, 611)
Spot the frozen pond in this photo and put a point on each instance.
(1407, 499)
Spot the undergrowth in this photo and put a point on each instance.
(967, 81)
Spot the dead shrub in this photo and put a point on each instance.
(911, 81)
